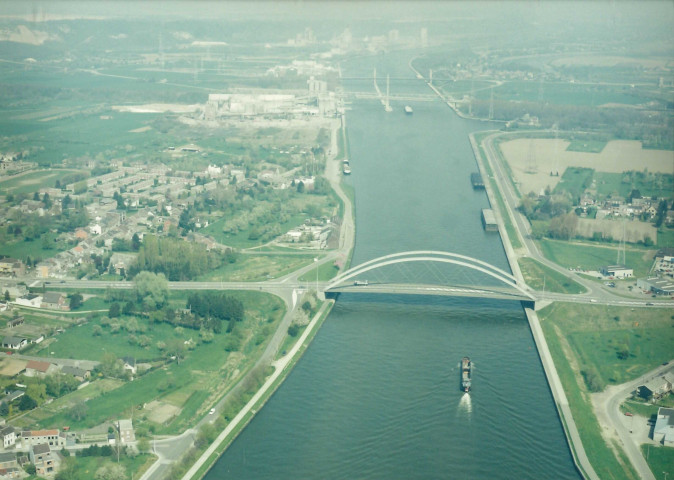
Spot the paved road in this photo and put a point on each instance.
(609, 414)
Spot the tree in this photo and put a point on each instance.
(79, 411)
(6, 295)
(143, 445)
(111, 471)
(68, 469)
(293, 330)
(75, 301)
(152, 289)
(129, 308)
(97, 331)
(661, 213)
(205, 435)
(4, 409)
(114, 310)
(135, 242)
(37, 391)
(27, 403)
(30, 469)
(175, 348)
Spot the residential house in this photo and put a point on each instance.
(79, 373)
(81, 234)
(35, 368)
(30, 300)
(54, 300)
(53, 438)
(9, 467)
(45, 461)
(657, 387)
(14, 343)
(11, 266)
(13, 395)
(663, 431)
(8, 436)
(125, 428)
(130, 364)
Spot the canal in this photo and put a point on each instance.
(377, 395)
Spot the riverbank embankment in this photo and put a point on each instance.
(561, 403)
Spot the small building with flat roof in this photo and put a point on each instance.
(489, 220)
(663, 431)
(617, 271)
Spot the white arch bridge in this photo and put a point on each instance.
(354, 280)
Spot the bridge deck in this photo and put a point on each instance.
(495, 292)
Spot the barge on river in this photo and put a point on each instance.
(466, 374)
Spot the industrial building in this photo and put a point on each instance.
(656, 285)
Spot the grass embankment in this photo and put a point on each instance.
(660, 459)
(326, 271)
(595, 345)
(510, 228)
(540, 277)
(591, 256)
(227, 441)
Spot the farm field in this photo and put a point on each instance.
(552, 155)
(562, 93)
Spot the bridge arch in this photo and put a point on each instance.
(433, 256)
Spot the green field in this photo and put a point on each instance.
(660, 185)
(240, 239)
(541, 277)
(191, 384)
(597, 334)
(575, 180)
(660, 460)
(600, 454)
(23, 249)
(33, 181)
(590, 146)
(588, 256)
(256, 268)
(86, 467)
(326, 271)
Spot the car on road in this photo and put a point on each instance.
(212, 411)
(629, 414)
(592, 300)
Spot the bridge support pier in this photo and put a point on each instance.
(529, 304)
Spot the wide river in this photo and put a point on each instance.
(376, 395)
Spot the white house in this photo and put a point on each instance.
(8, 436)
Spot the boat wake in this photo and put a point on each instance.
(465, 404)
